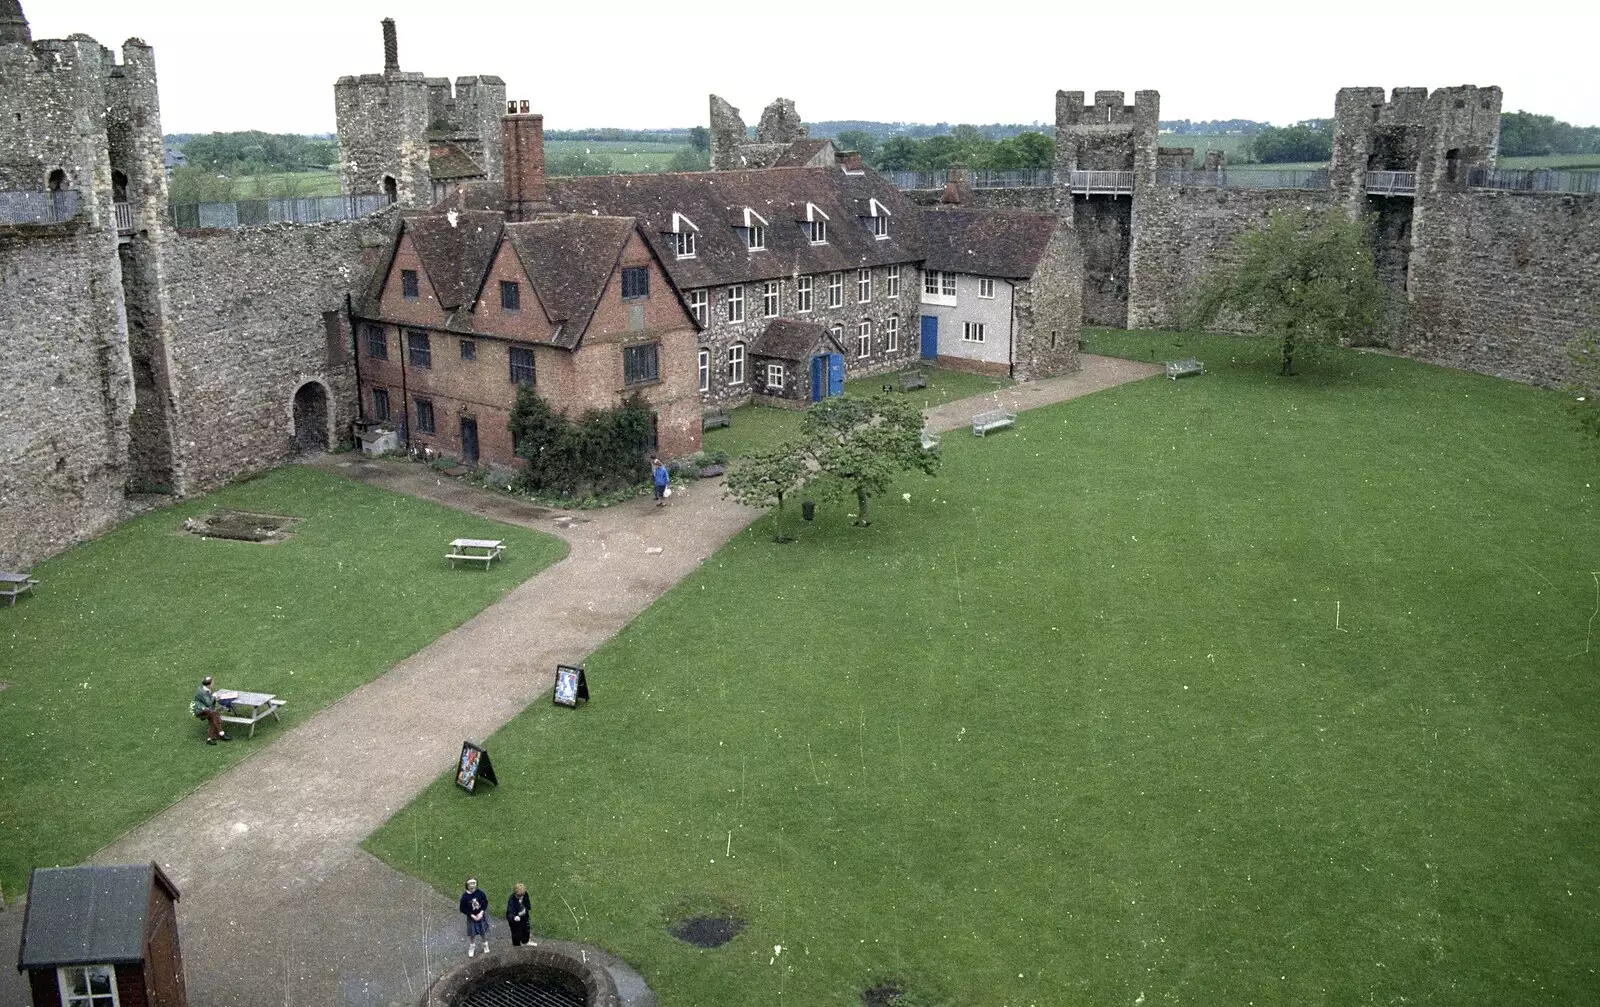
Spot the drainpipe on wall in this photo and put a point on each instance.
(1011, 335)
(405, 388)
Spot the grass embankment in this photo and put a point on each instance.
(757, 426)
(100, 662)
(1225, 690)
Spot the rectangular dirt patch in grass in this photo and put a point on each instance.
(101, 662)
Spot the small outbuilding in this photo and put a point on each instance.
(102, 937)
(796, 363)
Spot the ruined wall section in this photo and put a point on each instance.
(480, 102)
(1505, 281)
(780, 123)
(67, 389)
(383, 134)
(248, 311)
(728, 132)
(1185, 232)
(1049, 311)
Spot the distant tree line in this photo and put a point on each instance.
(257, 153)
(610, 135)
(1523, 134)
(1310, 140)
(881, 131)
(965, 144)
(1211, 127)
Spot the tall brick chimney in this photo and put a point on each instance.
(524, 161)
(391, 47)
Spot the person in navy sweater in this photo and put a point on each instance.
(475, 907)
(517, 912)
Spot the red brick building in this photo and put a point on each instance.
(473, 303)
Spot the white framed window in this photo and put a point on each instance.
(986, 287)
(698, 301)
(736, 364)
(681, 237)
(754, 230)
(891, 334)
(88, 986)
(705, 369)
(775, 377)
(880, 227)
(769, 299)
(835, 289)
(972, 332)
(938, 287)
(838, 334)
(816, 224)
(803, 287)
(863, 285)
(878, 219)
(892, 286)
(736, 303)
(864, 338)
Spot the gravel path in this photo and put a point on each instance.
(280, 904)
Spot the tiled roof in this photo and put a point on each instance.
(800, 153)
(447, 161)
(786, 339)
(88, 915)
(712, 199)
(988, 242)
(455, 249)
(569, 258)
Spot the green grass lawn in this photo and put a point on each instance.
(100, 662)
(626, 155)
(756, 427)
(1226, 690)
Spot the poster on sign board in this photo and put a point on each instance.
(474, 766)
(571, 686)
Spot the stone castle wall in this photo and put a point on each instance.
(1502, 282)
(248, 314)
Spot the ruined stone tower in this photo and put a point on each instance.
(401, 132)
(776, 133)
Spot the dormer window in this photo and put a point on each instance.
(681, 237)
(877, 219)
(816, 224)
(752, 227)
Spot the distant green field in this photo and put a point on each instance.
(626, 155)
(1568, 161)
(288, 184)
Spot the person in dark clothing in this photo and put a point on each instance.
(517, 912)
(206, 706)
(475, 907)
(659, 476)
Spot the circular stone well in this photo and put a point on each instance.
(551, 974)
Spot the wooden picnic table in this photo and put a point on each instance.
(480, 550)
(13, 584)
(261, 705)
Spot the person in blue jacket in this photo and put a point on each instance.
(475, 907)
(658, 474)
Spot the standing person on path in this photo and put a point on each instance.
(659, 475)
(517, 912)
(475, 907)
(205, 707)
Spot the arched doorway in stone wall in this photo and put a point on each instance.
(311, 417)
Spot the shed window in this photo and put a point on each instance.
(775, 377)
(88, 986)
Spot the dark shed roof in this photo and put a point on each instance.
(88, 915)
(447, 161)
(1004, 243)
(456, 249)
(568, 258)
(785, 339)
(712, 199)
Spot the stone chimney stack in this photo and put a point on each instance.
(391, 47)
(13, 26)
(524, 161)
(851, 160)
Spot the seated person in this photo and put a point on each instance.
(206, 706)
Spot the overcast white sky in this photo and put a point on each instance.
(630, 63)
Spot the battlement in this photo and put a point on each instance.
(1108, 135)
(1108, 108)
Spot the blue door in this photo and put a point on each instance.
(930, 337)
(819, 377)
(835, 374)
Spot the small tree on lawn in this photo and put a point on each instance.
(1304, 279)
(763, 478)
(861, 444)
(1585, 388)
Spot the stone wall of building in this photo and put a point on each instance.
(1503, 282)
(1049, 309)
(1182, 232)
(1105, 232)
(248, 311)
(67, 391)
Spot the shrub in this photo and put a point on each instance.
(601, 452)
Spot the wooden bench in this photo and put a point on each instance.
(994, 419)
(714, 419)
(13, 584)
(479, 550)
(1179, 368)
(913, 379)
